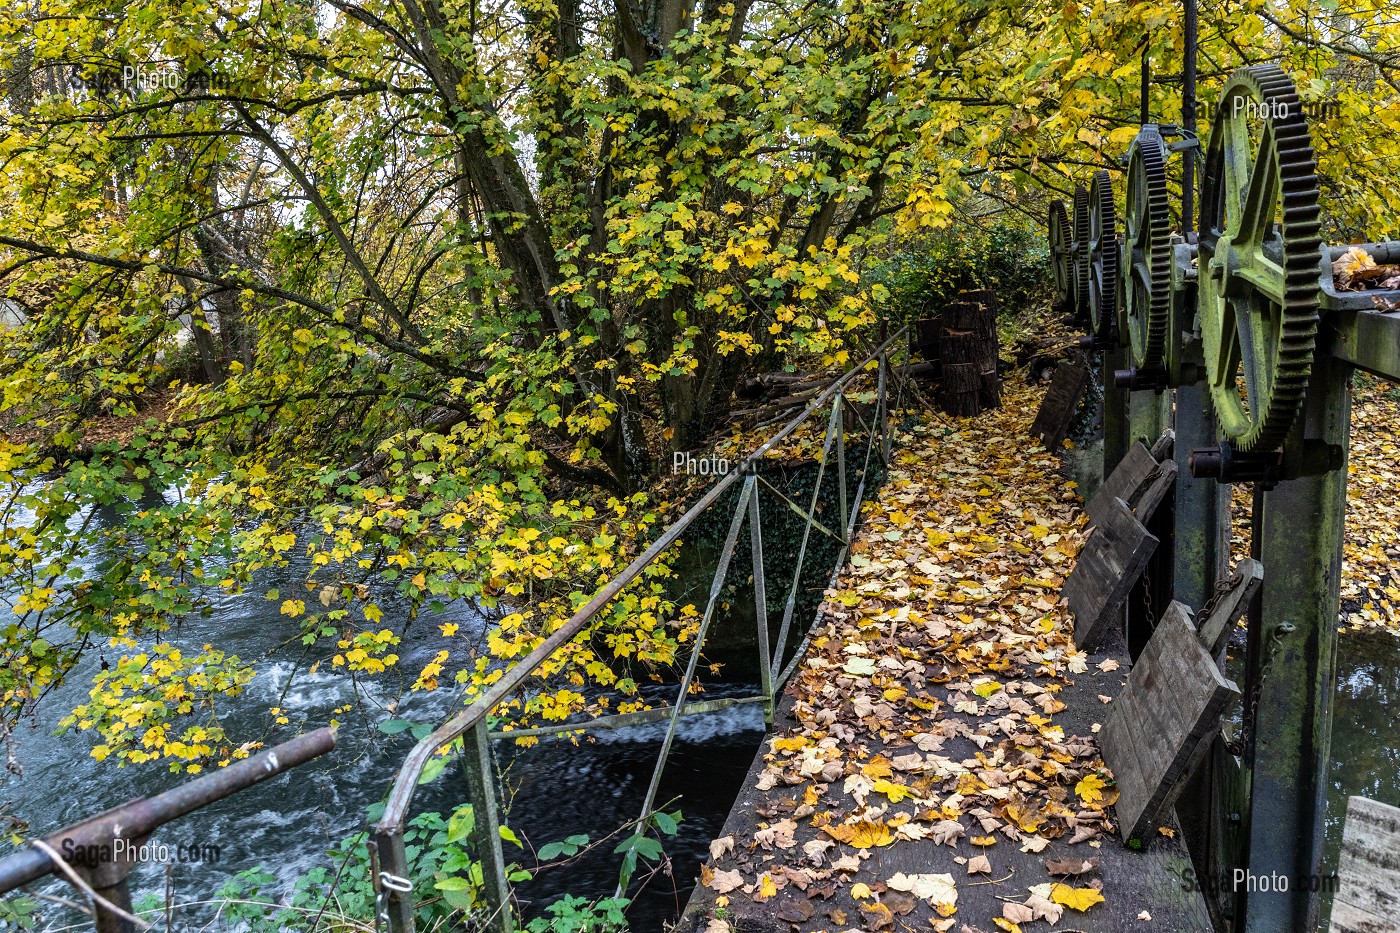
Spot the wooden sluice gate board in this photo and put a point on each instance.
(1108, 567)
(1368, 872)
(1060, 402)
(1140, 481)
(1161, 725)
(1120, 546)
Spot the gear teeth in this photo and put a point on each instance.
(1080, 251)
(1147, 326)
(1302, 253)
(1102, 256)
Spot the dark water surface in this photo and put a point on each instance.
(288, 823)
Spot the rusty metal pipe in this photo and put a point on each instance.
(139, 818)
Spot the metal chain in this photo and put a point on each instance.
(1221, 588)
(1147, 601)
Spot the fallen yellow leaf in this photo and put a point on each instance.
(1080, 899)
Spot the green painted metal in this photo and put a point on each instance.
(1115, 410)
(1369, 340)
(1199, 543)
(1149, 414)
(1257, 287)
(1303, 529)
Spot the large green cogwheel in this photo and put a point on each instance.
(1146, 284)
(1102, 255)
(1260, 258)
(1080, 251)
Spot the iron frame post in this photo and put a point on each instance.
(1304, 522)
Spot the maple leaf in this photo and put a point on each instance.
(859, 667)
(1004, 924)
(877, 767)
(896, 792)
(1044, 908)
(1080, 899)
(846, 863)
(720, 847)
(939, 889)
(863, 834)
(1090, 788)
(725, 881)
(979, 865)
(877, 916)
(1064, 867)
(947, 832)
(794, 909)
(1017, 913)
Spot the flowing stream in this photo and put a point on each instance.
(288, 824)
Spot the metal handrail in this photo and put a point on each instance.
(135, 820)
(394, 905)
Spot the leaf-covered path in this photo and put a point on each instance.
(933, 764)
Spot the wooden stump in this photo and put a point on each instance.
(958, 395)
(967, 351)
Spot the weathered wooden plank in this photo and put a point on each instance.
(1137, 720)
(1369, 869)
(1163, 722)
(1348, 918)
(1164, 445)
(1109, 566)
(1125, 483)
(1215, 628)
(1163, 480)
(1060, 402)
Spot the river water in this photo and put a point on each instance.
(557, 789)
(288, 823)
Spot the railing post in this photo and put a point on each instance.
(481, 785)
(828, 441)
(118, 894)
(760, 605)
(393, 890)
(883, 405)
(839, 403)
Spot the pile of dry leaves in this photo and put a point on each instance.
(922, 753)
